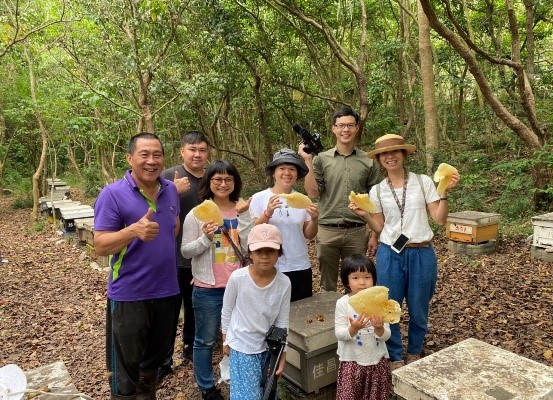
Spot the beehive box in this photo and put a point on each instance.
(311, 359)
(472, 226)
(70, 215)
(288, 391)
(543, 230)
(474, 370)
(84, 228)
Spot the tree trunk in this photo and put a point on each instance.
(146, 122)
(533, 137)
(4, 156)
(72, 159)
(43, 134)
(429, 96)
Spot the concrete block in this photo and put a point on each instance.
(474, 370)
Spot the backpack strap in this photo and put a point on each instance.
(419, 178)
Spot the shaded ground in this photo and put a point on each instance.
(52, 305)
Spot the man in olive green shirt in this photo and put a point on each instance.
(333, 174)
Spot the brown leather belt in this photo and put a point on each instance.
(416, 245)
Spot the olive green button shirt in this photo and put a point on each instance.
(336, 177)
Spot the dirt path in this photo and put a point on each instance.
(52, 305)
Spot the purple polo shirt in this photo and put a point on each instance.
(142, 270)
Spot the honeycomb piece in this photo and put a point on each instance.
(443, 175)
(374, 301)
(296, 200)
(363, 201)
(208, 211)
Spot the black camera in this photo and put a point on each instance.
(276, 338)
(312, 142)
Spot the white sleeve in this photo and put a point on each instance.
(229, 301)
(256, 206)
(283, 318)
(194, 241)
(430, 192)
(341, 321)
(245, 224)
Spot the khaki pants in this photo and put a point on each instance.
(333, 245)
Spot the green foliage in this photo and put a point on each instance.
(40, 225)
(92, 183)
(24, 202)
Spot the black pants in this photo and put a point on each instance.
(188, 327)
(138, 334)
(302, 285)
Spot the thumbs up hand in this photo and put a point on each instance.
(147, 229)
(182, 184)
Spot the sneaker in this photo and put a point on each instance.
(212, 394)
(163, 371)
(396, 364)
(411, 358)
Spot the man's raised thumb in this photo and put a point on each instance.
(176, 175)
(149, 214)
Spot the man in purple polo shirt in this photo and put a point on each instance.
(136, 220)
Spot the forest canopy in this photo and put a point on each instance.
(468, 82)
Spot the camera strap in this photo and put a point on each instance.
(404, 196)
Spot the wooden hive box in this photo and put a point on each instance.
(84, 230)
(472, 226)
(543, 230)
(311, 359)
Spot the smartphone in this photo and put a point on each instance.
(400, 243)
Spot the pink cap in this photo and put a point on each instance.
(264, 235)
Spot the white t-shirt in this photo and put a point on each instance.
(290, 223)
(415, 216)
(249, 310)
(365, 348)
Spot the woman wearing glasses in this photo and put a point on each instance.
(213, 260)
(296, 225)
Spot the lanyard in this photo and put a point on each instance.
(402, 205)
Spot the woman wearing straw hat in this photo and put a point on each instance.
(296, 225)
(403, 201)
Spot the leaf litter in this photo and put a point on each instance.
(52, 305)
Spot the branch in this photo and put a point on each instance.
(166, 103)
(463, 34)
(104, 96)
(237, 153)
(322, 27)
(15, 40)
(314, 95)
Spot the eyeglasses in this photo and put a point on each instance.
(343, 126)
(219, 181)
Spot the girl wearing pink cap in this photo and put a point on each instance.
(256, 298)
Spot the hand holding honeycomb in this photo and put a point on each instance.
(296, 200)
(443, 175)
(363, 201)
(374, 301)
(208, 211)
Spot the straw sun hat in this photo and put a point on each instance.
(390, 142)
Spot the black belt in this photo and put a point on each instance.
(346, 225)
